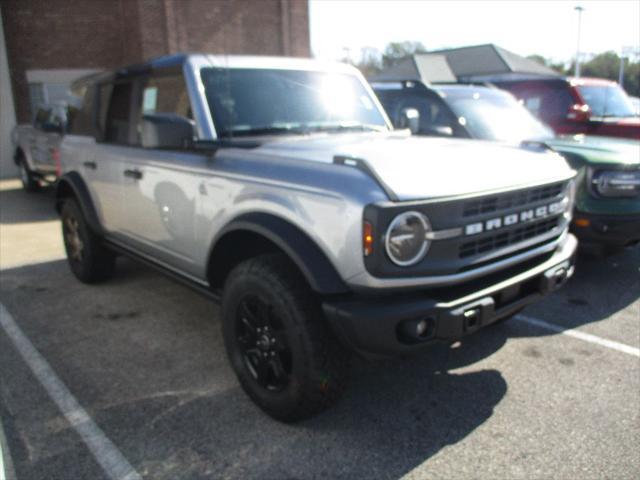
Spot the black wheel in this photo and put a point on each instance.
(88, 259)
(29, 183)
(279, 345)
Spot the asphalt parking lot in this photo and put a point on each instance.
(554, 393)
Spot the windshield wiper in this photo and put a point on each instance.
(264, 130)
(300, 129)
(347, 127)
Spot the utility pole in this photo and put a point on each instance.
(625, 52)
(579, 9)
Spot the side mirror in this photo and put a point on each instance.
(409, 118)
(167, 130)
(579, 113)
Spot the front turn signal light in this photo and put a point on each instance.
(581, 222)
(367, 239)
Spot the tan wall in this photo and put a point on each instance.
(7, 114)
(85, 34)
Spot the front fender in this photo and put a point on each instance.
(297, 245)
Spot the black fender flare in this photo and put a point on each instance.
(72, 183)
(23, 154)
(297, 245)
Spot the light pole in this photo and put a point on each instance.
(625, 52)
(577, 70)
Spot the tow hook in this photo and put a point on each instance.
(559, 277)
(555, 277)
(471, 319)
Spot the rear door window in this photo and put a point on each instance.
(81, 115)
(117, 128)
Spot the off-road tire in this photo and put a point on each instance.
(95, 263)
(29, 183)
(319, 364)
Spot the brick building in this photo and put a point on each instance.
(49, 43)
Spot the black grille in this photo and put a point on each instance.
(501, 240)
(505, 201)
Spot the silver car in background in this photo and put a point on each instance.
(37, 146)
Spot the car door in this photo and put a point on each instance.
(38, 140)
(105, 163)
(52, 135)
(162, 186)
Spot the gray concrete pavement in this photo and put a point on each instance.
(144, 357)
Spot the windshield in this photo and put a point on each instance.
(497, 116)
(607, 101)
(261, 101)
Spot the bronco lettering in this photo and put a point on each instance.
(513, 218)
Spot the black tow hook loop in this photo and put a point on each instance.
(471, 319)
(560, 276)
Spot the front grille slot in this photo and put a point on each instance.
(496, 203)
(505, 239)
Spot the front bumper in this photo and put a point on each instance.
(612, 230)
(383, 325)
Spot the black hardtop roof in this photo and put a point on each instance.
(162, 62)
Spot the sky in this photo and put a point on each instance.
(545, 27)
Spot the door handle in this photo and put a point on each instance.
(135, 174)
(91, 165)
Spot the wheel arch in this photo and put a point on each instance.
(71, 185)
(22, 154)
(253, 234)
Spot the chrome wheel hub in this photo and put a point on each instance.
(75, 245)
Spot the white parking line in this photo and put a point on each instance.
(104, 451)
(6, 465)
(3, 476)
(603, 342)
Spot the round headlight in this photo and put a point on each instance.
(405, 241)
(617, 183)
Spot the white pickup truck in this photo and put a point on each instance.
(37, 152)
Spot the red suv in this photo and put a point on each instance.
(578, 105)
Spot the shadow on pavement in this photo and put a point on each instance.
(396, 415)
(599, 288)
(18, 206)
(189, 419)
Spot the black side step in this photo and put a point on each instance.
(214, 295)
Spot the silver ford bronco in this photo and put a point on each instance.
(278, 188)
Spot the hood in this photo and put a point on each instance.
(428, 167)
(595, 149)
